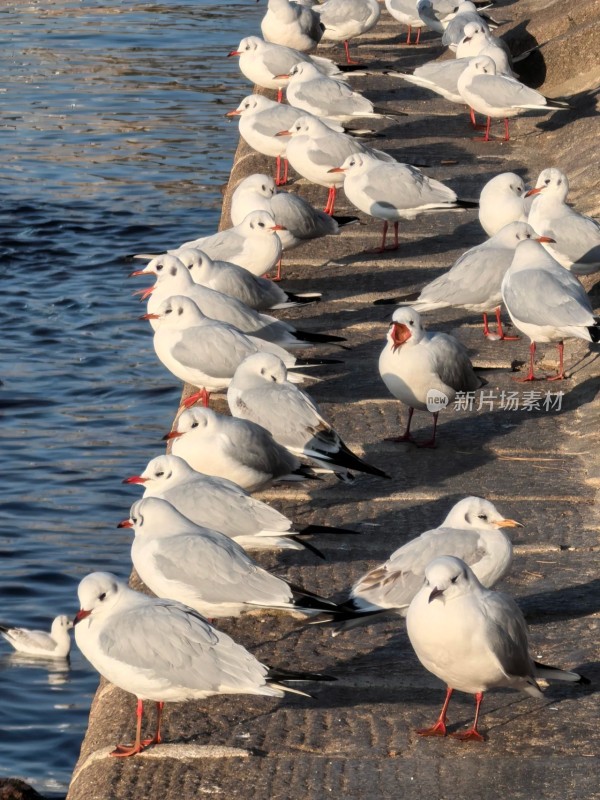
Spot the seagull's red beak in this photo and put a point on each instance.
(545, 240)
(284, 133)
(278, 228)
(172, 435)
(537, 190)
(337, 169)
(125, 523)
(150, 316)
(400, 334)
(234, 113)
(281, 77)
(234, 53)
(135, 479)
(139, 272)
(81, 614)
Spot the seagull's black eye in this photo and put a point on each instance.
(482, 516)
(411, 322)
(547, 181)
(274, 378)
(247, 105)
(454, 579)
(102, 596)
(158, 474)
(159, 267)
(168, 310)
(194, 425)
(261, 224)
(264, 188)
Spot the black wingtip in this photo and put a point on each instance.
(276, 674)
(343, 221)
(299, 298)
(594, 331)
(314, 362)
(322, 338)
(394, 301)
(308, 546)
(464, 203)
(309, 530)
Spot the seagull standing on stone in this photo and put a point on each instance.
(424, 370)
(292, 25)
(473, 639)
(346, 19)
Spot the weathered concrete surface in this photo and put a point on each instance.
(355, 739)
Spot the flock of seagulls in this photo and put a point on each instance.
(210, 309)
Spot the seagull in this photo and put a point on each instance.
(252, 244)
(264, 62)
(478, 41)
(292, 25)
(330, 98)
(471, 531)
(261, 392)
(498, 95)
(223, 506)
(299, 219)
(473, 639)
(393, 191)
(235, 449)
(261, 120)
(466, 13)
(547, 302)
(440, 77)
(424, 370)
(346, 19)
(405, 11)
(576, 237)
(41, 644)
(436, 13)
(205, 569)
(474, 281)
(161, 650)
(503, 200)
(174, 279)
(261, 294)
(314, 149)
(204, 352)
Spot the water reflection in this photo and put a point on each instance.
(113, 142)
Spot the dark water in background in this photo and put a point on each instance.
(112, 141)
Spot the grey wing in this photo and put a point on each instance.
(577, 237)
(451, 361)
(217, 570)
(311, 23)
(215, 349)
(279, 61)
(405, 187)
(178, 645)
(273, 120)
(330, 151)
(544, 297)
(504, 92)
(21, 637)
(506, 634)
(300, 218)
(475, 278)
(396, 582)
(443, 73)
(222, 246)
(256, 447)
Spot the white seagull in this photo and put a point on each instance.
(261, 294)
(471, 531)
(393, 191)
(41, 644)
(292, 25)
(224, 506)
(405, 11)
(346, 19)
(473, 639)
(547, 302)
(205, 569)
(498, 96)
(261, 392)
(424, 370)
(235, 449)
(161, 650)
(576, 237)
(503, 200)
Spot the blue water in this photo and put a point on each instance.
(113, 141)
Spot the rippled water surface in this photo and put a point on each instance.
(113, 141)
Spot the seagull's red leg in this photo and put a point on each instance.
(439, 729)
(486, 328)
(280, 95)
(500, 330)
(396, 245)
(472, 734)
(277, 277)
(418, 39)
(408, 35)
(330, 207)
(560, 375)
(530, 374)
(431, 442)
(474, 123)
(202, 395)
(157, 738)
(406, 436)
(506, 133)
(347, 49)
(123, 750)
(278, 173)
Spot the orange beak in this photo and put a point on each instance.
(235, 113)
(281, 77)
(81, 614)
(135, 479)
(125, 523)
(284, 133)
(234, 53)
(534, 191)
(150, 316)
(140, 272)
(172, 435)
(337, 169)
(545, 239)
(278, 228)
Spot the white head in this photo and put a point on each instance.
(481, 65)
(162, 473)
(510, 235)
(506, 183)
(307, 126)
(262, 185)
(260, 368)
(98, 594)
(159, 265)
(176, 312)
(447, 578)
(198, 420)
(356, 164)
(253, 104)
(304, 70)
(171, 272)
(475, 513)
(249, 44)
(531, 253)
(258, 223)
(197, 263)
(61, 626)
(405, 328)
(153, 516)
(473, 30)
(551, 181)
